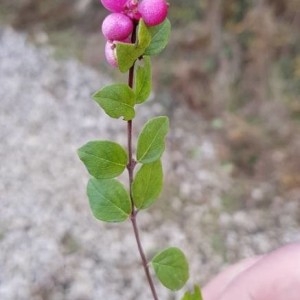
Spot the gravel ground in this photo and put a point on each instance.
(51, 247)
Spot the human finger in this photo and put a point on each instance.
(275, 276)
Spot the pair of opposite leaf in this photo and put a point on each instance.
(106, 160)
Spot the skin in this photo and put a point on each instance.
(274, 276)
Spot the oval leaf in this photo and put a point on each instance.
(147, 184)
(128, 53)
(103, 159)
(109, 201)
(196, 295)
(151, 141)
(143, 80)
(160, 37)
(171, 268)
(144, 35)
(117, 101)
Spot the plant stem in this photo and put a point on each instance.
(142, 254)
(130, 167)
(131, 162)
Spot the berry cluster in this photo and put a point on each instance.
(119, 25)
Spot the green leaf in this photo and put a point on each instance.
(128, 53)
(103, 159)
(144, 35)
(143, 80)
(196, 295)
(151, 141)
(147, 184)
(117, 100)
(171, 268)
(109, 201)
(160, 37)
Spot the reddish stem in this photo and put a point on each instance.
(130, 167)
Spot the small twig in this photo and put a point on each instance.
(130, 167)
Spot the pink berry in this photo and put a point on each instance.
(131, 9)
(110, 53)
(117, 27)
(114, 5)
(153, 12)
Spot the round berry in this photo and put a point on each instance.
(153, 12)
(110, 53)
(117, 27)
(114, 5)
(131, 9)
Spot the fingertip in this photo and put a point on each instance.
(214, 288)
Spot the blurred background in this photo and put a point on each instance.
(229, 82)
